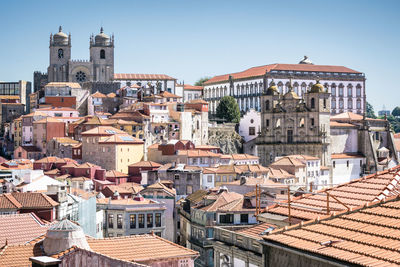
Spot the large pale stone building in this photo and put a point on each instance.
(347, 86)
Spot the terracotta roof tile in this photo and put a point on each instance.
(146, 163)
(28, 200)
(20, 228)
(192, 87)
(140, 248)
(18, 255)
(353, 194)
(256, 231)
(368, 235)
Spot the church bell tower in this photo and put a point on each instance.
(102, 56)
(60, 54)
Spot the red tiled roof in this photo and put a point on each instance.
(146, 164)
(192, 87)
(18, 255)
(98, 95)
(261, 70)
(140, 248)
(346, 155)
(256, 230)
(115, 174)
(168, 94)
(33, 200)
(353, 194)
(20, 228)
(134, 76)
(367, 236)
(197, 153)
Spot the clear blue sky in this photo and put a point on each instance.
(191, 39)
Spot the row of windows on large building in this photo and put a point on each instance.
(256, 88)
(141, 220)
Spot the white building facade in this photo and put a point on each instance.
(250, 125)
(346, 86)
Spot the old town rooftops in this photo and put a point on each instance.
(192, 87)
(262, 70)
(120, 139)
(146, 164)
(367, 235)
(257, 231)
(352, 194)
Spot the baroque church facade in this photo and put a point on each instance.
(99, 68)
(291, 124)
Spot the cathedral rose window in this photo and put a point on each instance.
(80, 76)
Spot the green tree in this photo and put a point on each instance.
(396, 112)
(370, 111)
(201, 81)
(228, 109)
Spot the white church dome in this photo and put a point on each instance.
(60, 37)
(62, 236)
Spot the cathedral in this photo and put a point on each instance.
(99, 68)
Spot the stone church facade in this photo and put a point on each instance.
(291, 124)
(99, 68)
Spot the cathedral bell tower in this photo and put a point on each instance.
(102, 56)
(60, 54)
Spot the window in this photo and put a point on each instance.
(110, 220)
(150, 220)
(334, 164)
(312, 103)
(350, 104)
(102, 54)
(340, 91)
(347, 163)
(312, 121)
(267, 105)
(209, 178)
(333, 103)
(341, 103)
(358, 91)
(244, 218)
(333, 90)
(141, 220)
(349, 91)
(189, 177)
(189, 189)
(132, 221)
(158, 220)
(267, 123)
(226, 218)
(224, 178)
(119, 221)
(358, 104)
(176, 176)
(252, 130)
(290, 136)
(60, 53)
(324, 103)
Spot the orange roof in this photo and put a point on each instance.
(367, 236)
(342, 124)
(134, 76)
(288, 161)
(353, 194)
(346, 155)
(125, 188)
(48, 119)
(262, 70)
(256, 230)
(56, 109)
(140, 248)
(120, 139)
(64, 84)
(192, 87)
(159, 185)
(111, 95)
(20, 228)
(243, 157)
(98, 95)
(18, 255)
(127, 201)
(26, 200)
(197, 153)
(146, 164)
(104, 131)
(115, 174)
(168, 94)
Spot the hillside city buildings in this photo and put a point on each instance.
(123, 169)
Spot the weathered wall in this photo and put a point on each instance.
(225, 137)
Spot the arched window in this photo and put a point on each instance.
(341, 89)
(358, 90)
(303, 88)
(102, 54)
(296, 87)
(333, 89)
(312, 102)
(358, 104)
(60, 53)
(349, 90)
(280, 87)
(350, 104)
(333, 104)
(267, 105)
